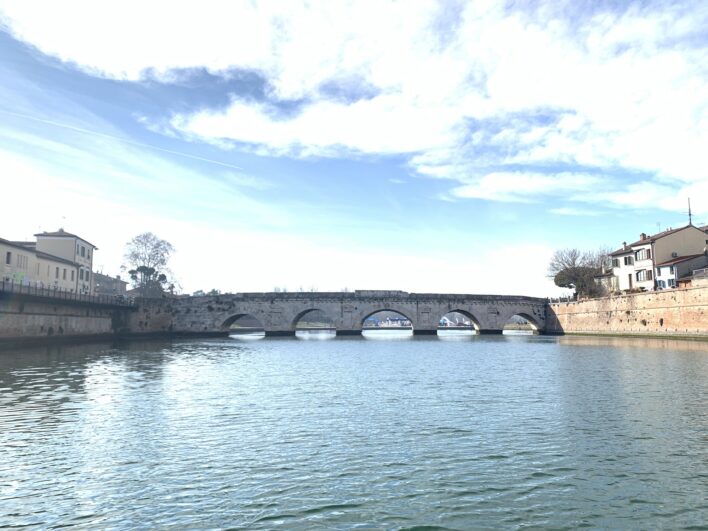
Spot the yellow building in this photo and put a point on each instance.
(58, 260)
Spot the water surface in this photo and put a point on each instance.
(471, 432)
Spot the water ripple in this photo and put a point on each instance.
(347, 434)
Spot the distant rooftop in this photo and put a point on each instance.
(61, 233)
(679, 259)
(652, 238)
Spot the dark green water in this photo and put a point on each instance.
(501, 432)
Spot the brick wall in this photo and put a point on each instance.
(680, 312)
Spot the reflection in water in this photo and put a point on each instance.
(489, 432)
(513, 332)
(323, 333)
(246, 335)
(635, 342)
(456, 334)
(388, 333)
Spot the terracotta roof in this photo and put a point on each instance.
(61, 233)
(658, 235)
(679, 259)
(621, 250)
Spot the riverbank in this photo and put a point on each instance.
(676, 313)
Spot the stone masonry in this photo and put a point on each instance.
(679, 312)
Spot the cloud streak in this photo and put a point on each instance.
(462, 92)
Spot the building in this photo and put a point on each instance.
(23, 264)
(639, 264)
(670, 272)
(107, 285)
(58, 260)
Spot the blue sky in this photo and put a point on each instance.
(369, 145)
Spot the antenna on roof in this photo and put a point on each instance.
(689, 212)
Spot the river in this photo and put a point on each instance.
(355, 433)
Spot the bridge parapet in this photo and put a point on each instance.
(279, 312)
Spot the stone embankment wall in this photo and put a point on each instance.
(677, 312)
(21, 320)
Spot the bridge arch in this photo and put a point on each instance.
(532, 321)
(472, 319)
(313, 316)
(456, 324)
(244, 324)
(399, 311)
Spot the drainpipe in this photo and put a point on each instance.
(653, 264)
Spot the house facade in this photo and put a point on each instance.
(58, 260)
(670, 272)
(107, 285)
(658, 257)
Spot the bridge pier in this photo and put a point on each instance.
(348, 332)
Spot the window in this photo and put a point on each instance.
(643, 254)
(72, 275)
(8, 258)
(56, 274)
(63, 277)
(658, 272)
(671, 270)
(77, 248)
(87, 276)
(81, 274)
(660, 284)
(628, 260)
(83, 251)
(615, 262)
(672, 283)
(644, 275)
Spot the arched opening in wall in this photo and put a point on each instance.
(387, 324)
(520, 325)
(244, 326)
(457, 324)
(314, 324)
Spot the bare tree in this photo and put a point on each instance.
(147, 257)
(563, 259)
(575, 269)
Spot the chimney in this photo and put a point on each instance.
(643, 236)
(624, 245)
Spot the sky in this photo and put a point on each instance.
(419, 146)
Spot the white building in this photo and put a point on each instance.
(634, 266)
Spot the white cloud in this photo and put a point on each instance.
(463, 93)
(523, 187)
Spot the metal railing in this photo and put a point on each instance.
(703, 272)
(59, 294)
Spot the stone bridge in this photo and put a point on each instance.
(279, 313)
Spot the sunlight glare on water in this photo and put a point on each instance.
(485, 432)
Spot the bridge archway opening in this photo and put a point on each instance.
(244, 326)
(387, 324)
(457, 324)
(314, 324)
(520, 324)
